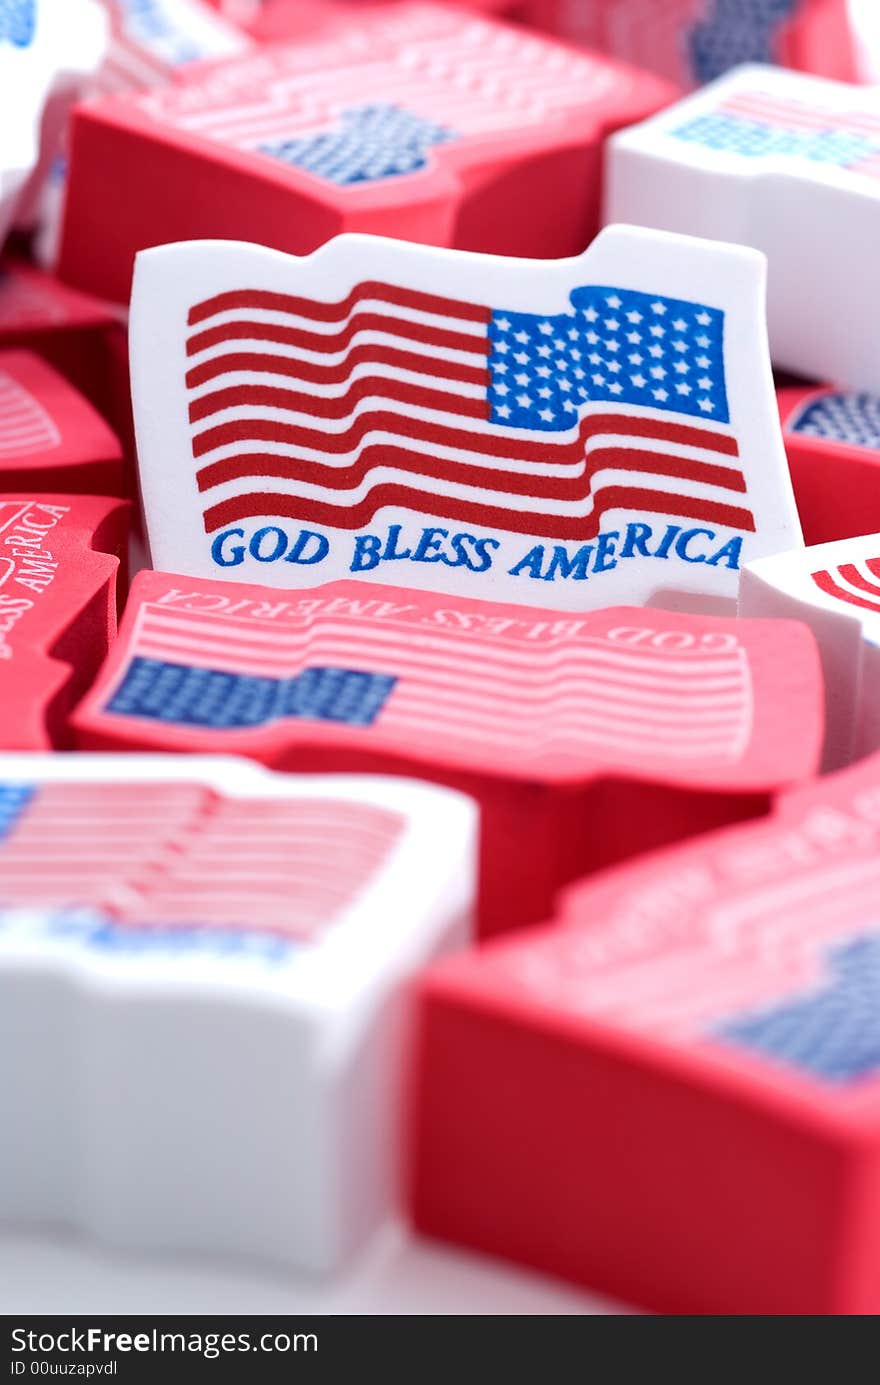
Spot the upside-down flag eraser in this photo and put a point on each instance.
(671, 1092)
(414, 120)
(577, 433)
(216, 961)
(584, 739)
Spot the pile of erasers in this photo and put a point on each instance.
(440, 635)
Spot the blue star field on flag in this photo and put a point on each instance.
(14, 798)
(158, 690)
(618, 346)
(369, 143)
(832, 1034)
(844, 417)
(729, 133)
(735, 31)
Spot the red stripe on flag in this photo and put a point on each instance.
(827, 583)
(250, 300)
(486, 516)
(436, 337)
(544, 449)
(332, 407)
(374, 355)
(571, 488)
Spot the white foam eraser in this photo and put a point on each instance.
(204, 981)
(575, 433)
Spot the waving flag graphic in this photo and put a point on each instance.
(324, 412)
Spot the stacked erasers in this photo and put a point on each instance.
(415, 689)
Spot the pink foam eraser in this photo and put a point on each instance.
(268, 20)
(671, 1093)
(51, 439)
(585, 738)
(67, 328)
(416, 121)
(59, 562)
(694, 41)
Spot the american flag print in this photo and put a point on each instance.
(849, 416)
(25, 426)
(370, 143)
(184, 855)
(856, 583)
(648, 33)
(690, 41)
(735, 31)
(756, 124)
(528, 423)
(559, 706)
(150, 39)
(433, 75)
(831, 1033)
(785, 970)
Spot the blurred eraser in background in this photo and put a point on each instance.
(413, 120)
(205, 979)
(61, 563)
(671, 1092)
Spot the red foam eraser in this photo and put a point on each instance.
(67, 328)
(416, 121)
(584, 737)
(59, 562)
(694, 41)
(51, 439)
(672, 1092)
(832, 441)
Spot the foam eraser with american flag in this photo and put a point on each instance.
(680, 1077)
(577, 433)
(835, 589)
(584, 739)
(747, 159)
(68, 328)
(59, 562)
(149, 43)
(51, 439)
(832, 441)
(415, 120)
(694, 41)
(218, 962)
